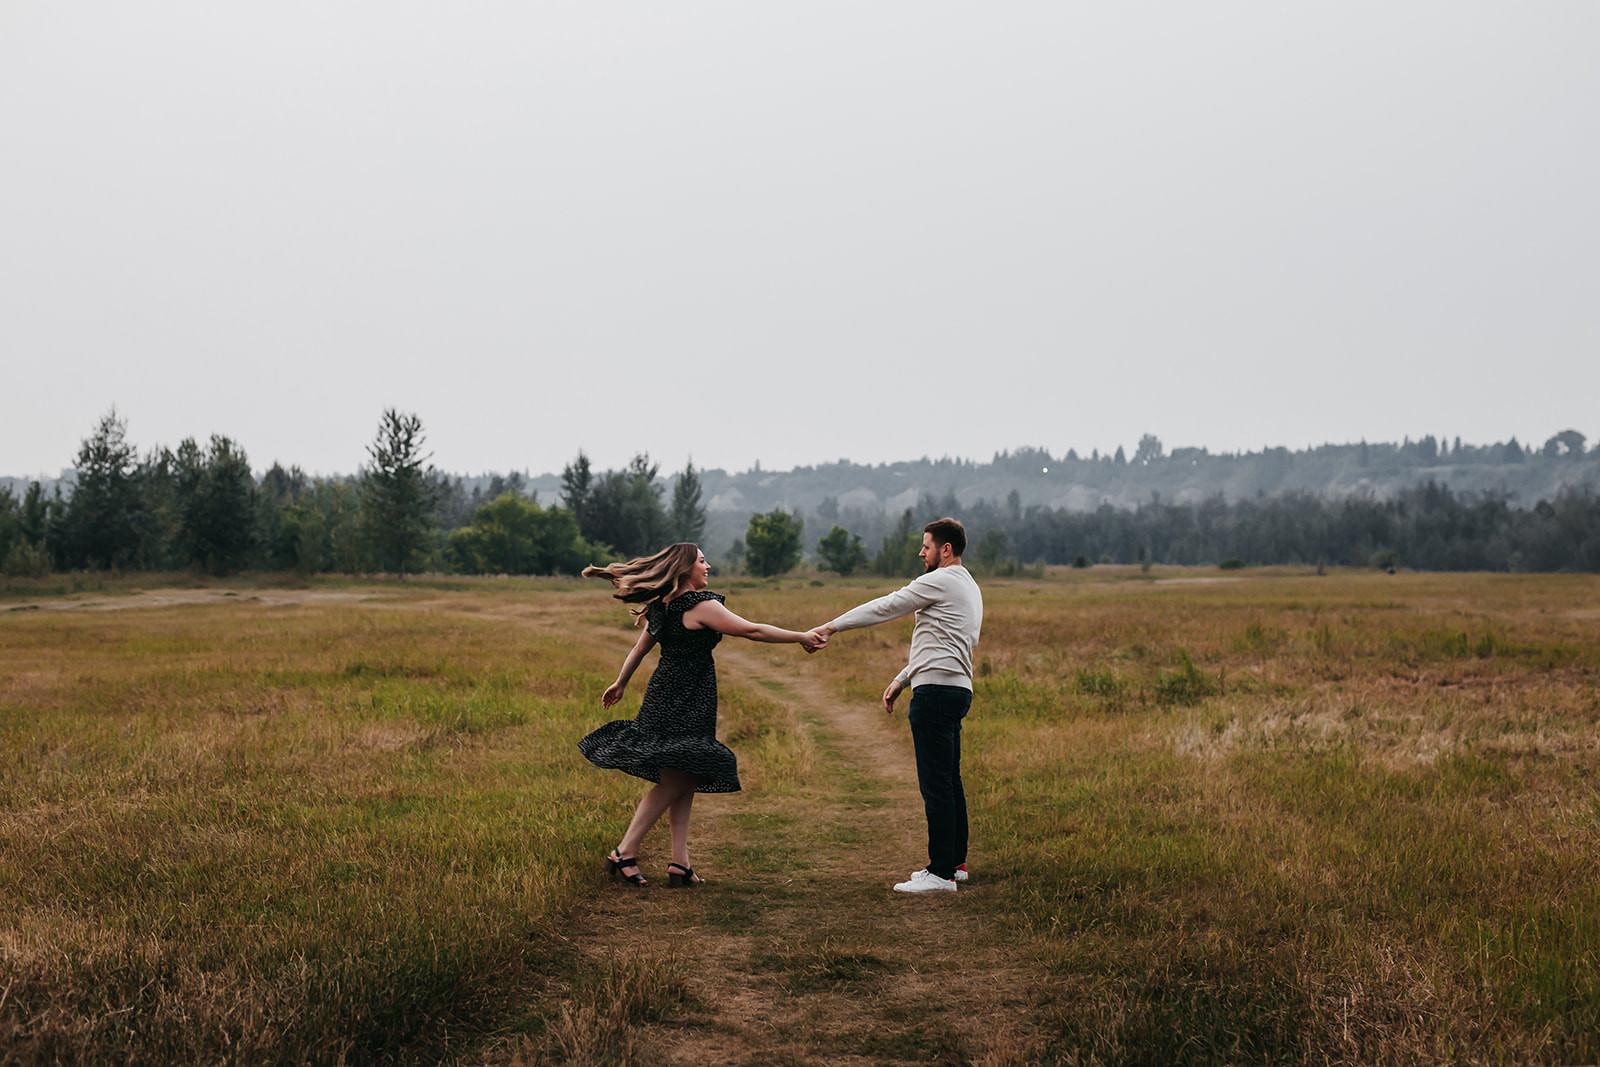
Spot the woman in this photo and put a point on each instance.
(673, 740)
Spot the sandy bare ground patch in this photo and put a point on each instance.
(1212, 580)
(163, 598)
(797, 950)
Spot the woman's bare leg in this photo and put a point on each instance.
(674, 787)
(678, 819)
(650, 808)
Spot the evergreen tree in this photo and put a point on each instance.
(35, 515)
(898, 557)
(993, 554)
(687, 518)
(398, 493)
(101, 523)
(623, 510)
(576, 482)
(10, 521)
(159, 541)
(277, 537)
(22, 534)
(216, 504)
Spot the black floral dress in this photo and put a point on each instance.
(676, 727)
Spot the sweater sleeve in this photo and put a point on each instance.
(914, 597)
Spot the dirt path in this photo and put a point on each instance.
(797, 951)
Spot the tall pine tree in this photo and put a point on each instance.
(687, 518)
(398, 493)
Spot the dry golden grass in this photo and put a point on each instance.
(1346, 818)
(1273, 817)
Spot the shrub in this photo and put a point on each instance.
(1186, 685)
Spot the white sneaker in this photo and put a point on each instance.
(925, 881)
(961, 873)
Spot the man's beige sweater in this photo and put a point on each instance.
(949, 611)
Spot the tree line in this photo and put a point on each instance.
(200, 507)
(1426, 527)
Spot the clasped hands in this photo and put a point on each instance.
(816, 639)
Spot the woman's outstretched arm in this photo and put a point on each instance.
(711, 615)
(614, 691)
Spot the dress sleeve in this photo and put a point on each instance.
(654, 616)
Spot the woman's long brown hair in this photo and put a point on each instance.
(648, 578)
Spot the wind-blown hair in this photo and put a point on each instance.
(649, 578)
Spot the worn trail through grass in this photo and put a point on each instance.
(797, 950)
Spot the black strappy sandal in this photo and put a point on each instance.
(681, 877)
(615, 863)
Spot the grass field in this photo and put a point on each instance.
(1274, 817)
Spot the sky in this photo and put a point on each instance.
(789, 234)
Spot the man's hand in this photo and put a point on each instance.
(815, 640)
(891, 693)
(818, 637)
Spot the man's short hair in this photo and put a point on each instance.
(948, 532)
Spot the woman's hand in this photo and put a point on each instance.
(814, 640)
(613, 694)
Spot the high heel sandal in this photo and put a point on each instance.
(681, 877)
(615, 863)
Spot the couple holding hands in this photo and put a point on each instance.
(672, 741)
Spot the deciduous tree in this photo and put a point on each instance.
(841, 552)
(772, 542)
(512, 534)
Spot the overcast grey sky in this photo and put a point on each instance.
(795, 233)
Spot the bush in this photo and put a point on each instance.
(1232, 563)
(1186, 685)
(26, 561)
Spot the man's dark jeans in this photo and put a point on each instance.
(935, 717)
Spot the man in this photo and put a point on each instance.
(949, 611)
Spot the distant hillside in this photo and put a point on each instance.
(869, 499)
